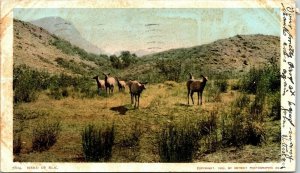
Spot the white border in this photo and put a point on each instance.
(6, 88)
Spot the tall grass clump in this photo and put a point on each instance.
(97, 142)
(45, 135)
(177, 144)
(232, 128)
(132, 138)
(17, 144)
(275, 106)
(240, 127)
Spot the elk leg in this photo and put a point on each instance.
(188, 95)
(192, 93)
(138, 97)
(201, 98)
(198, 97)
(135, 99)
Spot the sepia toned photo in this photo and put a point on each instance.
(131, 87)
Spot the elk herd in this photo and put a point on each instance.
(136, 87)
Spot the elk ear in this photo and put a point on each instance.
(108, 73)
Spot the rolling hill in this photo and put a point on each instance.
(39, 49)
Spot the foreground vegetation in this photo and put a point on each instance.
(234, 123)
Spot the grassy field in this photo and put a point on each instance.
(137, 130)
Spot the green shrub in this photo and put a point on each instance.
(27, 83)
(65, 46)
(212, 93)
(45, 135)
(264, 80)
(232, 128)
(97, 143)
(221, 84)
(239, 128)
(254, 133)
(178, 144)
(171, 69)
(71, 65)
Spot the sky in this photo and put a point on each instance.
(159, 29)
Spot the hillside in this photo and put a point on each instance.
(235, 53)
(36, 48)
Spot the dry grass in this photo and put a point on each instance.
(160, 104)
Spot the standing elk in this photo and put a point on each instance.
(135, 89)
(196, 86)
(100, 84)
(109, 83)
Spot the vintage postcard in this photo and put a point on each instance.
(148, 85)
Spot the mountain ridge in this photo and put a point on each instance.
(66, 30)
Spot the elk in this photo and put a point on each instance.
(121, 84)
(135, 89)
(100, 84)
(109, 83)
(196, 86)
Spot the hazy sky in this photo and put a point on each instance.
(159, 29)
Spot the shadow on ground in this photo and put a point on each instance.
(183, 104)
(121, 109)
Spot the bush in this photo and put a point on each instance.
(45, 135)
(177, 144)
(27, 83)
(255, 133)
(232, 130)
(212, 93)
(265, 80)
(171, 69)
(97, 143)
(59, 93)
(239, 128)
(221, 84)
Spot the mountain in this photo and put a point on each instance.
(66, 30)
